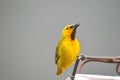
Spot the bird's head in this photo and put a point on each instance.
(69, 31)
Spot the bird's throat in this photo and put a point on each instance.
(73, 34)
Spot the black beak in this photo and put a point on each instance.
(74, 27)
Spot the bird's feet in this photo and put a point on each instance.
(70, 75)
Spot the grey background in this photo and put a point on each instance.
(30, 30)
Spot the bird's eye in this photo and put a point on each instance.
(67, 28)
(71, 27)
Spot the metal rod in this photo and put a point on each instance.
(75, 68)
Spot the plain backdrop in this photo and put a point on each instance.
(30, 30)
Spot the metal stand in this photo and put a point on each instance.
(85, 59)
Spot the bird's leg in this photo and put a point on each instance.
(70, 75)
(68, 72)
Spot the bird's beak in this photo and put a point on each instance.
(74, 27)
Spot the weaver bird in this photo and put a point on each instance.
(67, 48)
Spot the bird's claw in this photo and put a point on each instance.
(72, 77)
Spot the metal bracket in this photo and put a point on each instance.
(86, 59)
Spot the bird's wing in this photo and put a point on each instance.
(56, 56)
(57, 53)
(62, 48)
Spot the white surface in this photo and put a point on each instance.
(94, 77)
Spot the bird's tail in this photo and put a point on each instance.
(59, 70)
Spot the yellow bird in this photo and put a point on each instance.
(67, 48)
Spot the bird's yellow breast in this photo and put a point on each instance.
(68, 51)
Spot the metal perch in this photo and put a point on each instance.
(85, 59)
